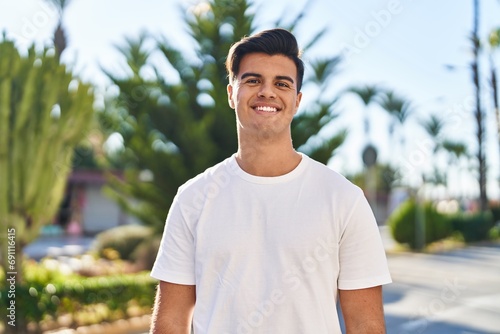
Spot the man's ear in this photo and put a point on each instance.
(297, 102)
(230, 96)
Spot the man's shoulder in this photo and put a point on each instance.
(328, 174)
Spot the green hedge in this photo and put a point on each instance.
(473, 227)
(403, 224)
(495, 211)
(47, 295)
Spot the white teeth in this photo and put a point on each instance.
(266, 109)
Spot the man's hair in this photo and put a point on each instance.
(272, 42)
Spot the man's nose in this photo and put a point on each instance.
(267, 91)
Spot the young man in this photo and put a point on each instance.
(268, 240)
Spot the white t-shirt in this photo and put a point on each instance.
(268, 254)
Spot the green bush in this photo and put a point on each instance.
(100, 298)
(124, 239)
(473, 227)
(495, 211)
(403, 224)
(144, 255)
(494, 233)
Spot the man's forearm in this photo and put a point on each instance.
(368, 327)
(168, 327)
(173, 309)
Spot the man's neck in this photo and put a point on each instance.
(267, 160)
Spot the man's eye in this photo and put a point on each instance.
(282, 84)
(252, 81)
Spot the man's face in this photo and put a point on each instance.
(264, 95)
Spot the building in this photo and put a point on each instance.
(86, 209)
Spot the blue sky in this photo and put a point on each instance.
(400, 44)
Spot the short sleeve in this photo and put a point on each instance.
(175, 260)
(362, 258)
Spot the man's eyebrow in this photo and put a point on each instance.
(278, 77)
(284, 77)
(250, 74)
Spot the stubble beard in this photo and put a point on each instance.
(263, 133)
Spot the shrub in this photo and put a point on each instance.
(144, 255)
(46, 296)
(494, 233)
(124, 239)
(473, 227)
(403, 224)
(495, 211)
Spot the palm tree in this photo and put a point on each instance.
(456, 152)
(434, 127)
(367, 94)
(494, 42)
(478, 111)
(399, 109)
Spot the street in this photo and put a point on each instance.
(453, 292)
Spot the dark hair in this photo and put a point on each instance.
(272, 42)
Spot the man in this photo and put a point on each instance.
(268, 240)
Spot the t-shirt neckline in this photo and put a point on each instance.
(236, 169)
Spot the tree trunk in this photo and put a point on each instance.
(494, 92)
(478, 113)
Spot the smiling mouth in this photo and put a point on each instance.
(266, 109)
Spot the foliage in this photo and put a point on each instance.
(123, 239)
(176, 124)
(385, 178)
(434, 127)
(398, 107)
(44, 113)
(144, 255)
(404, 224)
(473, 226)
(367, 94)
(494, 38)
(495, 212)
(47, 296)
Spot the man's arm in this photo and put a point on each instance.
(363, 310)
(173, 309)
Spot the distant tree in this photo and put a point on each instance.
(399, 109)
(44, 112)
(494, 41)
(368, 94)
(385, 178)
(59, 38)
(434, 127)
(478, 110)
(175, 127)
